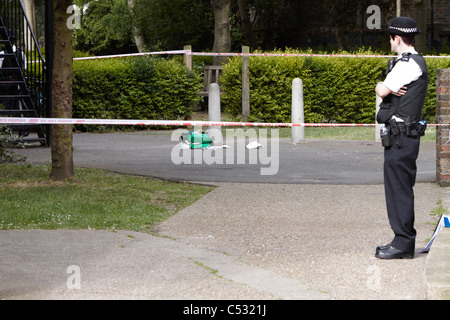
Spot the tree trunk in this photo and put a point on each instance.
(421, 19)
(222, 33)
(340, 38)
(247, 30)
(138, 38)
(61, 136)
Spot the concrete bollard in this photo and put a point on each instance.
(215, 132)
(297, 132)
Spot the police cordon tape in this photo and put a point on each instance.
(284, 55)
(127, 55)
(230, 54)
(237, 54)
(125, 122)
(133, 55)
(297, 55)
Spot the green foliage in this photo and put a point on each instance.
(168, 25)
(6, 139)
(336, 89)
(96, 200)
(107, 28)
(430, 102)
(134, 88)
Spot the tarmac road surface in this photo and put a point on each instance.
(309, 231)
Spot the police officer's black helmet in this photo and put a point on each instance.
(403, 26)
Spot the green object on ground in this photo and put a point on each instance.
(196, 139)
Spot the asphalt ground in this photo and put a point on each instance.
(310, 162)
(307, 231)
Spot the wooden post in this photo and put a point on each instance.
(245, 84)
(188, 57)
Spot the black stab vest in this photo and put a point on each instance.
(411, 104)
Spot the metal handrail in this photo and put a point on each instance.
(17, 22)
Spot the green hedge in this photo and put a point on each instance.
(134, 88)
(336, 89)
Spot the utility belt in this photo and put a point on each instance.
(396, 130)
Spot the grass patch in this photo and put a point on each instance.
(439, 210)
(340, 133)
(353, 133)
(317, 133)
(314, 133)
(96, 199)
(211, 270)
(435, 214)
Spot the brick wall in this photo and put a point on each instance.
(442, 132)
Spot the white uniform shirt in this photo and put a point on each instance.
(403, 73)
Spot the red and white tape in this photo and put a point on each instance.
(127, 55)
(237, 54)
(189, 53)
(231, 54)
(31, 121)
(125, 122)
(296, 55)
(133, 55)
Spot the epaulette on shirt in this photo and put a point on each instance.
(405, 57)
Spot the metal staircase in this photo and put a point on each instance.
(22, 73)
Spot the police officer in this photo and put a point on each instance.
(403, 92)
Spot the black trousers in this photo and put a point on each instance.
(399, 178)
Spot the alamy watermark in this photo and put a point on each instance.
(74, 21)
(74, 280)
(236, 150)
(374, 278)
(374, 21)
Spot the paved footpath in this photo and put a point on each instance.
(279, 240)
